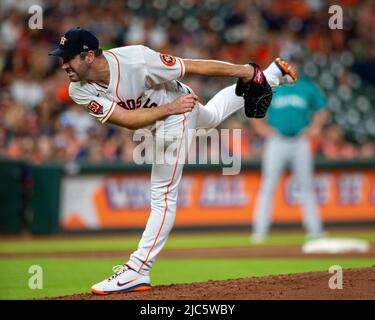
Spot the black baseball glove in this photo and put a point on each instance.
(257, 94)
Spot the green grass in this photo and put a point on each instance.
(222, 240)
(69, 276)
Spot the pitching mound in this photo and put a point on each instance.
(357, 284)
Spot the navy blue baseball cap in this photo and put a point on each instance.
(75, 41)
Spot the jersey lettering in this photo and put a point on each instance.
(122, 104)
(139, 102)
(147, 105)
(132, 104)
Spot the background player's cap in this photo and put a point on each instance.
(75, 41)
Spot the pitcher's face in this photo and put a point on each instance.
(76, 68)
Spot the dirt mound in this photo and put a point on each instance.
(357, 284)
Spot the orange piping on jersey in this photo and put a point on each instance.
(166, 194)
(100, 90)
(182, 69)
(108, 112)
(118, 73)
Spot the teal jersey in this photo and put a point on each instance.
(293, 106)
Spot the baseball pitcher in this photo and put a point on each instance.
(135, 87)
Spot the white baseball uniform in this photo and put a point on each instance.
(143, 78)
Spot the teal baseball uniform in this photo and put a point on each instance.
(290, 113)
(292, 107)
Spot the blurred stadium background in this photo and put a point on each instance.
(44, 137)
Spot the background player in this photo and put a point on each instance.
(133, 87)
(297, 113)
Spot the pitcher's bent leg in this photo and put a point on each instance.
(220, 107)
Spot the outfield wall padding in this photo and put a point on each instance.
(11, 196)
(76, 196)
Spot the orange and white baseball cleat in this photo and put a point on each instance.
(123, 280)
(287, 71)
(280, 72)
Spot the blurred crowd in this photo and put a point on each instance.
(40, 123)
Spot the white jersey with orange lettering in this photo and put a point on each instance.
(139, 78)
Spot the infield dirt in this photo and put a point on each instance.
(358, 284)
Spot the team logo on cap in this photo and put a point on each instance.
(63, 40)
(168, 60)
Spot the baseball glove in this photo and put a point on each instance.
(257, 94)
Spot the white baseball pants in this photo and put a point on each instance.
(165, 178)
(279, 151)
